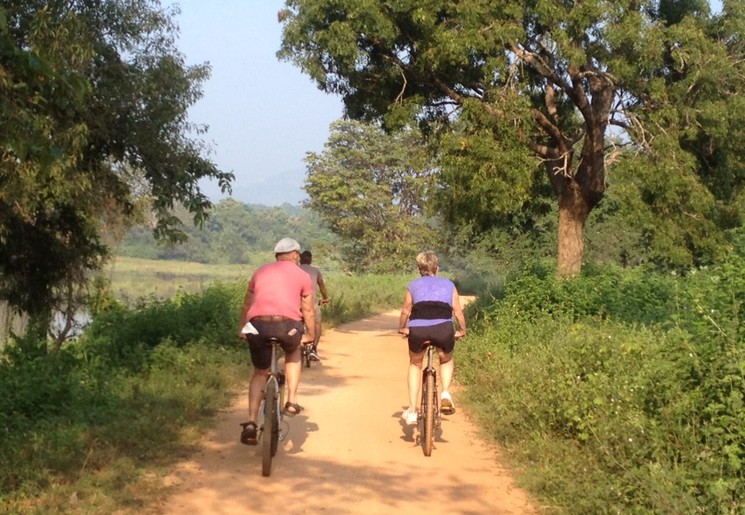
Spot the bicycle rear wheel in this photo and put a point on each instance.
(271, 429)
(306, 355)
(428, 398)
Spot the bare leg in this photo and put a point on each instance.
(414, 378)
(292, 374)
(317, 335)
(255, 392)
(447, 367)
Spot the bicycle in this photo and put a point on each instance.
(306, 348)
(270, 411)
(309, 346)
(430, 409)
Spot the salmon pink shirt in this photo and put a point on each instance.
(277, 289)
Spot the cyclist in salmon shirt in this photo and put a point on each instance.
(278, 299)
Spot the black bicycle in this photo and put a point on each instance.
(270, 411)
(306, 348)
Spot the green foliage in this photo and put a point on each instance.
(91, 427)
(620, 392)
(355, 297)
(94, 94)
(88, 419)
(370, 189)
(122, 335)
(234, 234)
(522, 96)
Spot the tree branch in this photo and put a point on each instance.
(550, 129)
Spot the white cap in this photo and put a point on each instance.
(286, 245)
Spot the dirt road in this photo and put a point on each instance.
(349, 452)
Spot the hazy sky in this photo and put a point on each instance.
(263, 114)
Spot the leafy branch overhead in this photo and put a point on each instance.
(93, 94)
(570, 89)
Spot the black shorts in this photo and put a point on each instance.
(261, 350)
(441, 335)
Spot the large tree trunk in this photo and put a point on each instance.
(573, 213)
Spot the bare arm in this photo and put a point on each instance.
(247, 301)
(322, 287)
(405, 312)
(458, 313)
(308, 310)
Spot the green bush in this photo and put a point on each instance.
(127, 395)
(620, 391)
(122, 335)
(355, 297)
(133, 394)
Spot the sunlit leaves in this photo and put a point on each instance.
(90, 89)
(558, 80)
(370, 189)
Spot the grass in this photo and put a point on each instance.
(133, 278)
(619, 392)
(136, 281)
(96, 427)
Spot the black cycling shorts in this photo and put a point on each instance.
(441, 335)
(259, 347)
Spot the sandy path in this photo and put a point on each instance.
(349, 451)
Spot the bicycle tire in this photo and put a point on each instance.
(270, 428)
(429, 413)
(275, 429)
(306, 356)
(282, 396)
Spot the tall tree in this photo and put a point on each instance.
(90, 91)
(369, 188)
(527, 84)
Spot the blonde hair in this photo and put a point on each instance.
(427, 263)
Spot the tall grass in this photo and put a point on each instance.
(618, 392)
(134, 279)
(94, 427)
(355, 297)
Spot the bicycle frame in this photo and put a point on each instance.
(270, 411)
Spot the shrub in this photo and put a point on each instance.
(621, 390)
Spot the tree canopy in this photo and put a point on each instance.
(370, 188)
(550, 92)
(91, 91)
(235, 233)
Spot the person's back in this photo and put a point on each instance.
(278, 299)
(314, 273)
(432, 300)
(306, 258)
(276, 289)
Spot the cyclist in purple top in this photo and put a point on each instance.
(430, 304)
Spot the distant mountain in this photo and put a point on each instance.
(283, 188)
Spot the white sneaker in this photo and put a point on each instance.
(446, 403)
(410, 417)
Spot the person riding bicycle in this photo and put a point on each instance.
(278, 298)
(429, 306)
(306, 258)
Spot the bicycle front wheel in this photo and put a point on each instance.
(271, 429)
(428, 396)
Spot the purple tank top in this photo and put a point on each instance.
(431, 288)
